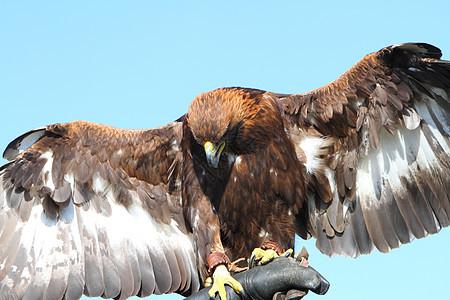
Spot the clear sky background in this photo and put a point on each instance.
(137, 64)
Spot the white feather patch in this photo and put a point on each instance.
(397, 156)
(48, 169)
(46, 242)
(263, 233)
(311, 146)
(444, 119)
(387, 162)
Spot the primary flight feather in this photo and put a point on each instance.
(362, 163)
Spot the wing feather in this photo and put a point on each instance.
(92, 209)
(147, 274)
(388, 118)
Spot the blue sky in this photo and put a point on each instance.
(138, 64)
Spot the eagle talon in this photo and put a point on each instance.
(287, 253)
(221, 277)
(260, 256)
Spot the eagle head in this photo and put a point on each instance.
(230, 122)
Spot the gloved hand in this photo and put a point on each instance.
(283, 274)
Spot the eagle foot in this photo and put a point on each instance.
(222, 276)
(260, 256)
(233, 268)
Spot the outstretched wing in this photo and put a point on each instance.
(87, 208)
(376, 146)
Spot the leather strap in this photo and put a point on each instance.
(215, 259)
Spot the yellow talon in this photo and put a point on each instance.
(265, 256)
(208, 281)
(221, 277)
(288, 253)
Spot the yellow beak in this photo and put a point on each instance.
(213, 152)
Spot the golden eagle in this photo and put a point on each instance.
(362, 163)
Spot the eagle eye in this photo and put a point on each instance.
(231, 134)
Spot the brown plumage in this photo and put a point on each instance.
(359, 164)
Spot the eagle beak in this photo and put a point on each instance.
(213, 152)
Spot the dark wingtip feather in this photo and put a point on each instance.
(23, 142)
(421, 49)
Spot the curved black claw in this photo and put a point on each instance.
(283, 274)
(253, 261)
